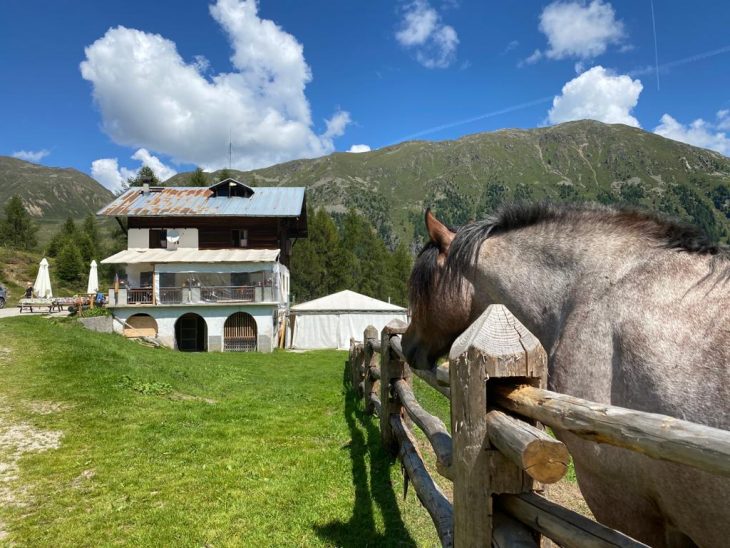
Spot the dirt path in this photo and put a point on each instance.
(16, 439)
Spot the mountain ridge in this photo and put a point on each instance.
(465, 178)
(51, 193)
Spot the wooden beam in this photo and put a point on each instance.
(470, 462)
(510, 533)
(544, 458)
(430, 495)
(432, 426)
(567, 528)
(391, 368)
(657, 436)
(370, 362)
(430, 378)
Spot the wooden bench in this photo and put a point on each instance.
(30, 304)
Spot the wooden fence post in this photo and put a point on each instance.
(494, 346)
(372, 360)
(391, 368)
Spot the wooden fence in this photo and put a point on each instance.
(497, 460)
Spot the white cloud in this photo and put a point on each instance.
(162, 171)
(599, 95)
(509, 47)
(580, 30)
(723, 119)
(150, 97)
(108, 172)
(422, 31)
(698, 133)
(533, 58)
(31, 155)
(359, 148)
(337, 124)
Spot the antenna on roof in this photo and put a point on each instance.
(230, 148)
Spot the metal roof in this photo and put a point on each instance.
(192, 255)
(199, 201)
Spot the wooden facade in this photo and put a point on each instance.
(227, 232)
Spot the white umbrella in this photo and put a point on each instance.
(93, 286)
(42, 286)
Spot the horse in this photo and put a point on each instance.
(633, 310)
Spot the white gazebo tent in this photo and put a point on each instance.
(42, 285)
(330, 322)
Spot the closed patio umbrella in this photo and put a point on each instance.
(42, 285)
(93, 286)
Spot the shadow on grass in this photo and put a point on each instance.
(371, 490)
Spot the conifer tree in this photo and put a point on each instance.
(69, 264)
(198, 178)
(223, 174)
(68, 233)
(401, 263)
(144, 175)
(17, 230)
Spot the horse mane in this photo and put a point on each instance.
(667, 233)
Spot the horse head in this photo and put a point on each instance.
(440, 302)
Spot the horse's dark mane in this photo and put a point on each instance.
(667, 233)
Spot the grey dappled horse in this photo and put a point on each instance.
(633, 310)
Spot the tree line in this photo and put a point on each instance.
(73, 247)
(348, 253)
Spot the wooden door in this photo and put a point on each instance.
(240, 333)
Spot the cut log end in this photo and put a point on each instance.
(546, 462)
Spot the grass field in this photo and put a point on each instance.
(105, 442)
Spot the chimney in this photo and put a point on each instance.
(145, 188)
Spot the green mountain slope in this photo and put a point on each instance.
(467, 178)
(50, 193)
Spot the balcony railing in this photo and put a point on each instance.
(244, 293)
(195, 295)
(139, 296)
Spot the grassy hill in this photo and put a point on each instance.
(465, 178)
(51, 193)
(110, 441)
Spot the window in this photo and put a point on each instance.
(145, 279)
(158, 238)
(239, 237)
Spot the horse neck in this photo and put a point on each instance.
(536, 272)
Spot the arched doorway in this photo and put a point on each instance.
(239, 333)
(140, 325)
(191, 333)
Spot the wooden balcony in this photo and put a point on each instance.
(209, 295)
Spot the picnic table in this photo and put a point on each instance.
(37, 303)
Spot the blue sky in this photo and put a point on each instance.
(105, 86)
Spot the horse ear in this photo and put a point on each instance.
(438, 232)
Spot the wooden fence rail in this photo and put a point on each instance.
(496, 382)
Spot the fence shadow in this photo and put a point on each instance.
(371, 490)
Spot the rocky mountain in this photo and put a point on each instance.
(466, 178)
(51, 193)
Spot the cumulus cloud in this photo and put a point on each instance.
(359, 148)
(579, 30)
(109, 173)
(31, 155)
(723, 119)
(162, 171)
(597, 94)
(422, 31)
(699, 133)
(150, 97)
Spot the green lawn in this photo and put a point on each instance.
(165, 448)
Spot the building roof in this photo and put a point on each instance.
(346, 301)
(185, 201)
(190, 255)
